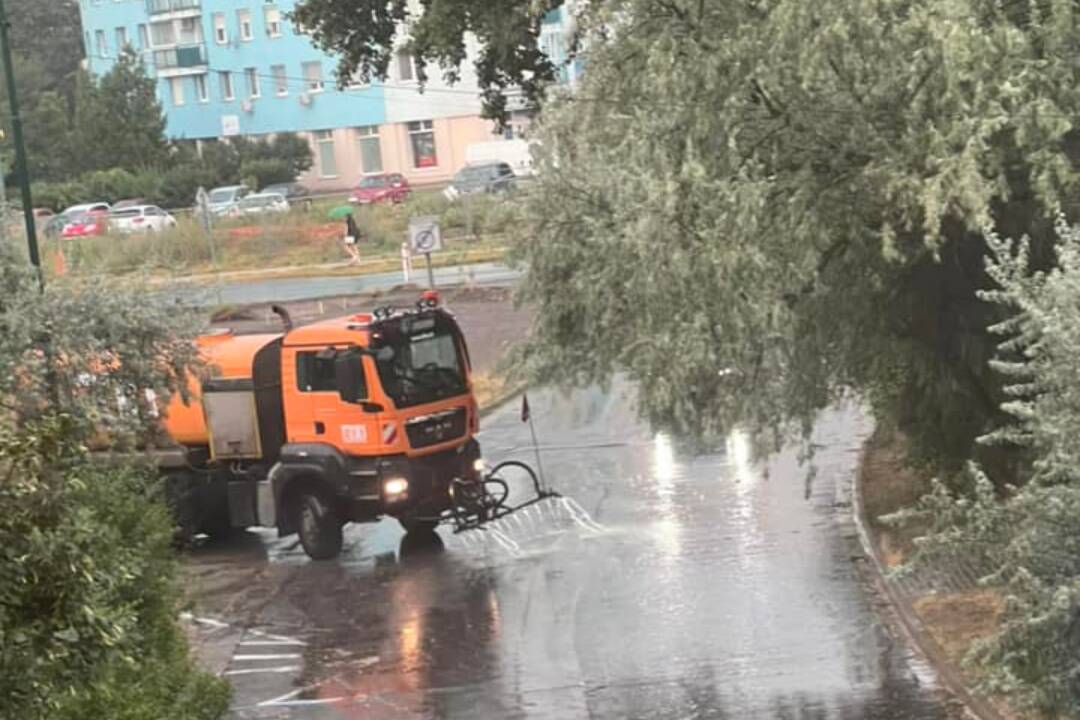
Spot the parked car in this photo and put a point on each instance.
(388, 187)
(141, 218)
(493, 178)
(224, 200)
(77, 210)
(128, 203)
(294, 192)
(87, 224)
(261, 204)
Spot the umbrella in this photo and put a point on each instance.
(341, 212)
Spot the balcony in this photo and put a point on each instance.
(187, 59)
(173, 7)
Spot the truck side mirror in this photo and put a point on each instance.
(349, 376)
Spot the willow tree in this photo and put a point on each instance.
(753, 207)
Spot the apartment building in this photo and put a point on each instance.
(239, 67)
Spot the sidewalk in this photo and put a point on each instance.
(367, 266)
(943, 609)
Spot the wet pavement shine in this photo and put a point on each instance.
(683, 587)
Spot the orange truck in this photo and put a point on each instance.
(347, 420)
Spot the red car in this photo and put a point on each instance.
(389, 187)
(86, 225)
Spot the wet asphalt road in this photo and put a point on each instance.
(704, 587)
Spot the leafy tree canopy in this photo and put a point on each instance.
(118, 119)
(751, 208)
(366, 35)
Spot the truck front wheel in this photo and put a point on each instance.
(319, 526)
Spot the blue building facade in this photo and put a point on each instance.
(228, 67)
(239, 67)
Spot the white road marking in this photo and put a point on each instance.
(278, 656)
(255, 671)
(276, 643)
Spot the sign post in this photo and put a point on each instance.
(425, 237)
(202, 205)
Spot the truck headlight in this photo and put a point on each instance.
(395, 488)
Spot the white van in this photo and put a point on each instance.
(515, 153)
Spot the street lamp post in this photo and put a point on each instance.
(20, 147)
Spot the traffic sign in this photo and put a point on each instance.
(425, 236)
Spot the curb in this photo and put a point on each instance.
(912, 626)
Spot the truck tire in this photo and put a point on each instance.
(319, 526)
(414, 525)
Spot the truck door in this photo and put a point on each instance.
(314, 410)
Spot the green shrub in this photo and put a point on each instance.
(88, 597)
(58, 196)
(262, 172)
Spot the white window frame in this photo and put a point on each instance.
(221, 29)
(202, 91)
(314, 84)
(365, 134)
(325, 137)
(101, 43)
(225, 79)
(251, 76)
(176, 90)
(281, 80)
(399, 56)
(422, 127)
(144, 36)
(121, 39)
(247, 29)
(273, 26)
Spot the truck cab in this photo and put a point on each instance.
(347, 420)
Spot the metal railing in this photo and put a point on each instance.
(182, 56)
(157, 7)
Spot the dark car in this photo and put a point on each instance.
(388, 187)
(493, 178)
(294, 193)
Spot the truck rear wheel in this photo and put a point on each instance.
(319, 526)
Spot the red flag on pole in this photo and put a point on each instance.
(526, 413)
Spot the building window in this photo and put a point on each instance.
(101, 43)
(221, 30)
(281, 82)
(367, 142)
(422, 139)
(406, 67)
(121, 39)
(176, 86)
(244, 18)
(252, 82)
(324, 139)
(190, 31)
(313, 76)
(200, 89)
(225, 78)
(163, 33)
(272, 18)
(144, 36)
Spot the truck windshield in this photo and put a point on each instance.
(419, 361)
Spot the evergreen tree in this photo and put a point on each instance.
(118, 119)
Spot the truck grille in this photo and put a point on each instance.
(436, 428)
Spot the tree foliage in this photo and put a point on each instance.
(88, 595)
(118, 119)
(750, 208)
(366, 35)
(1030, 538)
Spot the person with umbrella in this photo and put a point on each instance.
(352, 236)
